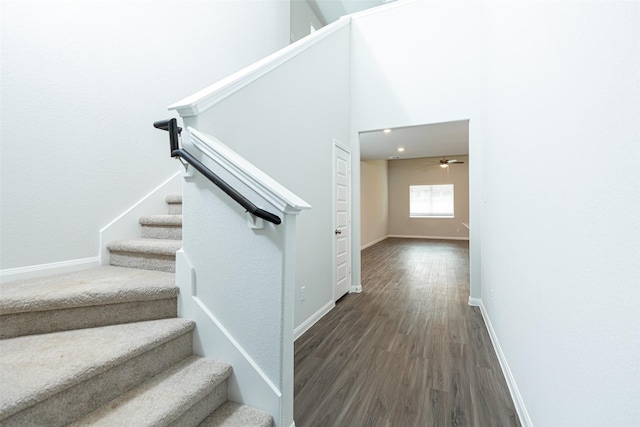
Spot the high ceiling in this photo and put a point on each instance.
(331, 10)
(432, 140)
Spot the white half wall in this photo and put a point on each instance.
(285, 123)
(82, 82)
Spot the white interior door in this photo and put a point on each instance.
(342, 232)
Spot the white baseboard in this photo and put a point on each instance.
(356, 289)
(304, 327)
(41, 270)
(373, 243)
(525, 420)
(429, 237)
(475, 302)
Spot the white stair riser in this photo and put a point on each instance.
(144, 261)
(43, 322)
(161, 232)
(175, 209)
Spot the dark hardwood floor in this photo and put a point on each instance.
(407, 351)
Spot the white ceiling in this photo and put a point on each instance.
(433, 140)
(331, 10)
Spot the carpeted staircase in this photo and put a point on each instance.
(104, 347)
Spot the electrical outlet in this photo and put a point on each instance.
(302, 293)
(491, 295)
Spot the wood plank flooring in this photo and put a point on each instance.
(408, 351)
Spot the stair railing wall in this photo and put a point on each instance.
(242, 284)
(236, 274)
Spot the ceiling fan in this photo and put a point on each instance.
(446, 162)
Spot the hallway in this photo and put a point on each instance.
(408, 351)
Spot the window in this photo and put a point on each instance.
(431, 201)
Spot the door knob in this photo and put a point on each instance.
(338, 231)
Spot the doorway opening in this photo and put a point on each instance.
(392, 160)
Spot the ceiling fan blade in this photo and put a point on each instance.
(454, 162)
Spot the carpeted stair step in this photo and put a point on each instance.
(183, 395)
(232, 414)
(161, 227)
(57, 378)
(84, 299)
(148, 254)
(175, 204)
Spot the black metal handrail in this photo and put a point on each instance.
(171, 126)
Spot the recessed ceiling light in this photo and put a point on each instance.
(386, 130)
(400, 149)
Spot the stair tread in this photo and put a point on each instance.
(174, 199)
(96, 286)
(146, 246)
(232, 414)
(163, 398)
(161, 220)
(36, 367)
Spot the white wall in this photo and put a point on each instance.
(562, 95)
(82, 83)
(435, 77)
(430, 79)
(302, 18)
(285, 123)
(406, 172)
(560, 232)
(374, 202)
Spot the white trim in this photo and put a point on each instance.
(307, 324)
(258, 181)
(525, 420)
(208, 97)
(356, 289)
(237, 346)
(474, 302)
(41, 270)
(429, 237)
(373, 243)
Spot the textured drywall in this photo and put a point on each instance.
(285, 123)
(422, 171)
(82, 83)
(374, 201)
(561, 230)
(551, 90)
